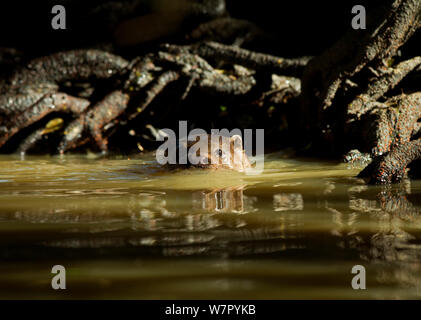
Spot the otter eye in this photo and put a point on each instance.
(219, 152)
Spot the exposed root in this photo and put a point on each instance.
(253, 60)
(70, 65)
(156, 88)
(30, 141)
(391, 124)
(325, 77)
(382, 85)
(391, 167)
(94, 120)
(49, 103)
(31, 92)
(382, 44)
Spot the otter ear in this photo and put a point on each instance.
(236, 141)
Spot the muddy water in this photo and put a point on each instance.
(126, 228)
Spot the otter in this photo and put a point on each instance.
(213, 151)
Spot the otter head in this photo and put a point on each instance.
(216, 151)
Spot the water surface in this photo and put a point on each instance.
(125, 228)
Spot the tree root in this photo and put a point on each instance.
(94, 120)
(326, 76)
(63, 66)
(49, 103)
(341, 103)
(391, 167)
(382, 85)
(390, 124)
(378, 45)
(253, 60)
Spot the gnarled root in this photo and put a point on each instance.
(331, 79)
(392, 166)
(384, 83)
(94, 120)
(388, 124)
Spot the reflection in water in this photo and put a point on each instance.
(207, 224)
(220, 200)
(309, 217)
(288, 201)
(393, 211)
(395, 216)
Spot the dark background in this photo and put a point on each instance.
(299, 27)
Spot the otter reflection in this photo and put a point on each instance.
(220, 200)
(217, 222)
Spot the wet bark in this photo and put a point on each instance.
(347, 91)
